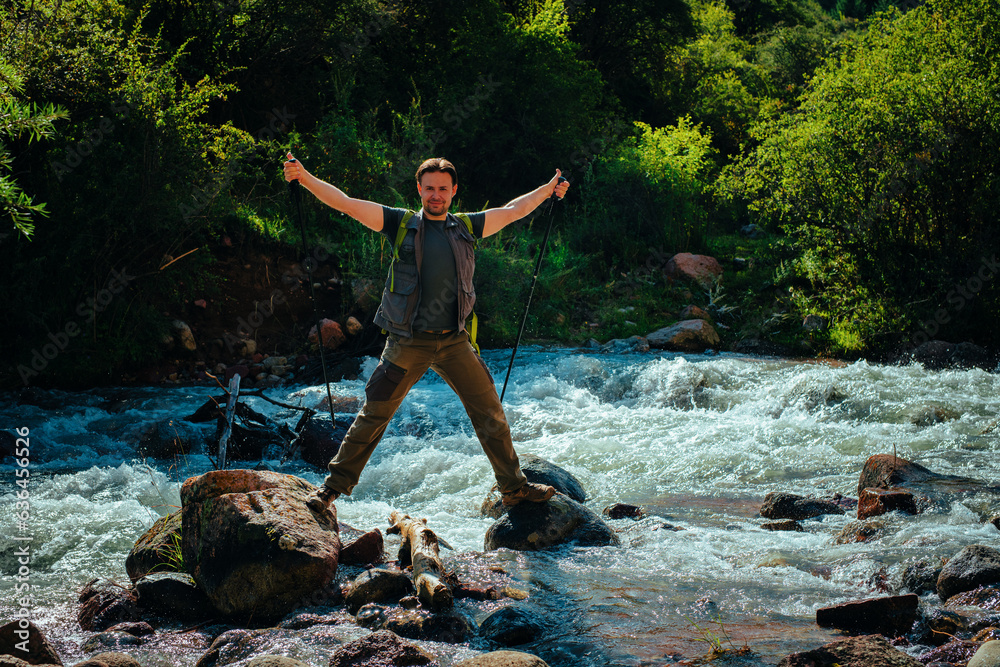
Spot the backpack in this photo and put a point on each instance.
(401, 234)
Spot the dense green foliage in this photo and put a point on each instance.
(886, 179)
(136, 137)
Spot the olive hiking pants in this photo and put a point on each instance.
(404, 361)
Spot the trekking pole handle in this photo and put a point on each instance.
(562, 179)
(293, 185)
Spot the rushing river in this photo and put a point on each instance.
(697, 440)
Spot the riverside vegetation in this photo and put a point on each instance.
(859, 138)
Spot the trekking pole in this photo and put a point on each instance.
(534, 279)
(293, 188)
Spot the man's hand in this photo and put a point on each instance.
(558, 188)
(294, 171)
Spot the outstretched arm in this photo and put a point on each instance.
(368, 213)
(514, 210)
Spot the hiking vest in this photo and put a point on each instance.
(401, 295)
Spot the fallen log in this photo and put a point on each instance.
(420, 544)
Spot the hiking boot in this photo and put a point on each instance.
(533, 493)
(320, 501)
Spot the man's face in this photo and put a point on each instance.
(436, 191)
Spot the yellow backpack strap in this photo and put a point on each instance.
(473, 327)
(473, 330)
(400, 235)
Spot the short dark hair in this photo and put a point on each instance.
(437, 164)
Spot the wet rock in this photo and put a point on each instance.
(109, 639)
(251, 543)
(920, 577)
(168, 438)
(234, 645)
(39, 652)
(333, 335)
(367, 549)
(685, 336)
(875, 502)
(342, 404)
(371, 616)
(984, 597)
(537, 471)
(380, 649)
(861, 531)
(891, 616)
(448, 627)
(134, 628)
(779, 505)
(701, 270)
(940, 626)
(377, 585)
(276, 661)
(307, 620)
(110, 659)
(866, 651)
(885, 471)
(987, 634)
(956, 651)
(789, 525)
(105, 603)
(158, 549)
(623, 511)
(511, 626)
(987, 655)
(974, 566)
(174, 595)
(320, 438)
(535, 526)
(928, 415)
(503, 659)
(637, 344)
(995, 520)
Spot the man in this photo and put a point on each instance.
(427, 299)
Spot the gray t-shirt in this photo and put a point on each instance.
(438, 307)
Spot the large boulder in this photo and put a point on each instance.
(685, 336)
(885, 471)
(974, 566)
(536, 526)
(19, 635)
(702, 270)
(537, 471)
(778, 505)
(251, 543)
(865, 651)
(157, 550)
(511, 626)
(890, 616)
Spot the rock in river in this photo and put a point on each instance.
(251, 543)
(535, 526)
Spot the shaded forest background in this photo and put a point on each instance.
(855, 144)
